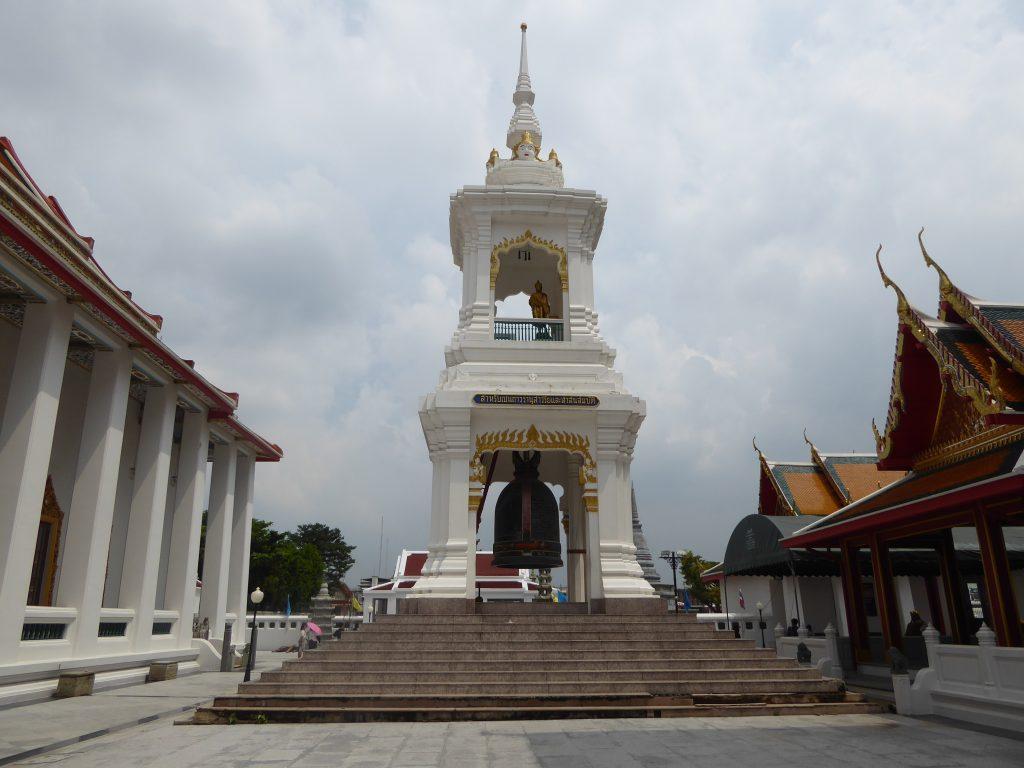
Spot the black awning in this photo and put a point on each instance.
(755, 549)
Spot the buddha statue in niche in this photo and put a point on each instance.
(539, 304)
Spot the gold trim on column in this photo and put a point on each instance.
(532, 439)
(590, 502)
(507, 245)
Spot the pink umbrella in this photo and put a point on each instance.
(314, 628)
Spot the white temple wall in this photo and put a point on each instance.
(122, 504)
(818, 601)
(8, 348)
(755, 589)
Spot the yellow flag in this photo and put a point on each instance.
(355, 605)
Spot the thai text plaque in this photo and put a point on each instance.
(558, 401)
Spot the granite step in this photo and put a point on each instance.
(530, 699)
(499, 635)
(542, 662)
(576, 644)
(550, 707)
(514, 667)
(666, 685)
(535, 674)
(511, 654)
(542, 620)
(510, 625)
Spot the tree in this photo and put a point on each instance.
(283, 568)
(691, 565)
(335, 551)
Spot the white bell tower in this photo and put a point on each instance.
(543, 381)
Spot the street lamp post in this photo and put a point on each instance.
(672, 557)
(760, 620)
(257, 597)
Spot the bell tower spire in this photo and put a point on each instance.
(523, 119)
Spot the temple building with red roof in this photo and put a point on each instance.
(955, 425)
(107, 439)
(493, 583)
(791, 584)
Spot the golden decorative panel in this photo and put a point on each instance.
(532, 439)
(528, 238)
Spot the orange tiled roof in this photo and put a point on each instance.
(920, 485)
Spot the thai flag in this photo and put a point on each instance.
(743, 603)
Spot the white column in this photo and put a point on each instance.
(621, 574)
(83, 568)
(577, 538)
(904, 599)
(445, 569)
(146, 519)
(190, 497)
(592, 526)
(471, 553)
(241, 535)
(213, 602)
(25, 441)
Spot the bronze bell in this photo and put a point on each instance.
(526, 520)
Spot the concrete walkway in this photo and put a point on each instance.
(37, 729)
(867, 741)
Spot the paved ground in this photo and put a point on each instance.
(766, 742)
(66, 721)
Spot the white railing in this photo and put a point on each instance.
(980, 683)
(824, 650)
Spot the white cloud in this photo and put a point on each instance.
(273, 178)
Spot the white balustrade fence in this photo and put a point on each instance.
(981, 683)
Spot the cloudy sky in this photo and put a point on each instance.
(273, 178)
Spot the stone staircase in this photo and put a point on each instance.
(520, 666)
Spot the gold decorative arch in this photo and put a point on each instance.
(528, 238)
(532, 439)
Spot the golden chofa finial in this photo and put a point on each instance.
(944, 282)
(552, 155)
(886, 280)
(492, 159)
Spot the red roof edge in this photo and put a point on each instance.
(265, 450)
(999, 486)
(142, 337)
(49, 200)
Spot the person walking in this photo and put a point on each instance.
(303, 639)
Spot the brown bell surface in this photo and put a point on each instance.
(526, 530)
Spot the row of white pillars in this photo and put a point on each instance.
(26, 439)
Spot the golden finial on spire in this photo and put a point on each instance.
(552, 155)
(493, 158)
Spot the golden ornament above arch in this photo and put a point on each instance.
(532, 439)
(528, 238)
